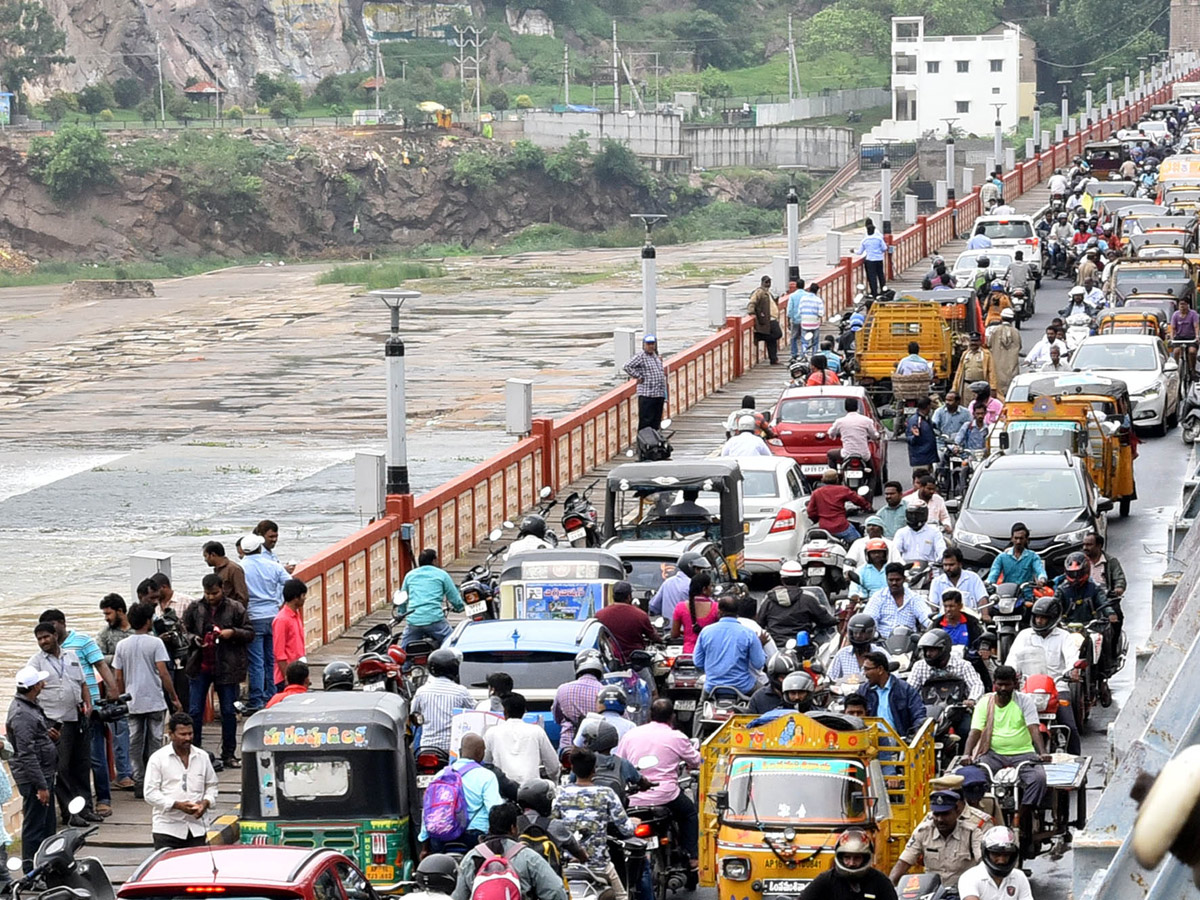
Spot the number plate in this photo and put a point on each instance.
(685, 705)
(813, 470)
(652, 842)
(375, 686)
(423, 780)
(477, 608)
(783, 885)
(381, 873)
(814, 570)
(576, 534)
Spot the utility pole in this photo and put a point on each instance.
(615, 76)
(468, 65)
(162, 103)
(378, 79)
(566, 75)
(793, 66)
(461, 43)
(637, 97)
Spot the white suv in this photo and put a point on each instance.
(1012, 233)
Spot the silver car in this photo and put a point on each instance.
(774, 499)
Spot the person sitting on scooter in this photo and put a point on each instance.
(925, 491)
(821, 374)
(827, 507)
(918, 541)
(962, 629)
(856, 432)
(1045, 649)
(770, 695)
(997, 875)
(745, 442)
(435, 701)
(791, 608)
(938, 661)
(872, 577)
(897, 604)
(1077, 303)
(983, 397)
(1018, 564)
(1083, 600)
(874, 527)
(861, 639)
(971, 589)
(895, 701)
(946, 842)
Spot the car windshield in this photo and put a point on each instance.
(649, 574)
(1111, 356)
(998, 490)
(759, 484)
(530, 669)
(796, 790)
(1041, 437)
(811, 410)
(1008, 231)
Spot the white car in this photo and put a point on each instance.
(1142, 362)
(774, 498)
(1010, 233)
(965, 266)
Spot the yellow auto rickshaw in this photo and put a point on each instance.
(777, 793)
(1131, 320)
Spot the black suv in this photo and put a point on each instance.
(1052, 493)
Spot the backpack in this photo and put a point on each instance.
(608, 774)
(444, 809)
(535, 836)
(496, 879)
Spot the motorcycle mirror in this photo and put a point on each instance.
(640, 659)
(495, 534)
(75, 807)
(508, 524)
(546, 492)
(864, 490)
(665, 423)
(629, 453)
(399, 598)
(894, 665)
(853, 576)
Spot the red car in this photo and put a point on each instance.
(801, 421)
(247, 870)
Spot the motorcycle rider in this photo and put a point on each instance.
(997, 876)
(791, 608)
(949, 418)
(925, 491)
(856, 432)
(852, 876)
(1046, 649)
(337, 676)
(1083, 601)
(954, 577)
(745, 442)
(770, 695)
(1020, 274)
(970, 438)
(748, 408)
(963, 630)
(918, 541)
(857, 554)
(428, 587)
(872, 576)
(1106, 570)
(1090, 267)
(1039, 355)
(530, 536)
(937, 660)
(821, 373)
(434, 702)
(536, 799)
(946, 842)
(1018, 564)
(827, 507)
(612, 703)
(674, 590)
(897, 604)
(575, 699)
(862, 639)
(1060, 240)
(983, 396)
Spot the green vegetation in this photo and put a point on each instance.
(74, 159)
(167, 267)
(31, 44)
(379, 275)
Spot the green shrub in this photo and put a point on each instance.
(128, 92)
(71, 161)
(148, 109)
(498, 99)
(566, 163)
(281, 107)
(96, 97)
(58, 106)
(235, 112)
(528, 156)
(616, 162)
(476, 169)
(380, 275)
(523, 102)
(106, 115)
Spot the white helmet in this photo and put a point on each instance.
(1078, 291)
(746, 423)
(791, 569)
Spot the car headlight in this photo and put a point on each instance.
(736, 868)
(1148, 394)
(972, 539)
(1072, 537)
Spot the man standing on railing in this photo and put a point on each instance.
(647, 369)
(874, 249)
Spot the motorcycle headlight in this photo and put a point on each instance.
(1042, 701)
(1072, 537)
(736, 868)
(972, 539)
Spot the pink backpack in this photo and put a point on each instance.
(444, 808)
(496, 879)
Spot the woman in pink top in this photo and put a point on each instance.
(700, 610)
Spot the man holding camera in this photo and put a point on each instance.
(116, 629)
(141, 666)
(168, 625)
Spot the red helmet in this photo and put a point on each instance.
(1077, 568)
(1043, 691)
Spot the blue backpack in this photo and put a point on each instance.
(444, 808)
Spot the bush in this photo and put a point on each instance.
(379, 276)
(148, 109)
(128, 92)
(71, 161)
(476, 169)
(528, 155)
(57, 107)
(281, 108)
(616, 162)
(96, 97)
(523, 102)
(235, 113)
(181, 109)
(106, 115)
(498, 99)
(566, 164)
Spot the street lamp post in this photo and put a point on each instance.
(1108, 89)
(998, 138)
(393, 354)
(649, 274)
(950, 161)
(885, 196)
(1037, 121)
(1087, 96)
(1065, 102)
(792, 217)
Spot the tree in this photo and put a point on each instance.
(265, 87)
(96, 97)
(615, 162)
(844, 26)
(524, 102)
(566, 164)
(55, 108)
(128, 92)
(74, 159)
(498, 99)
(148, 110)
(181, 109)
(30, 45)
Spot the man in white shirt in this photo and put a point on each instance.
(1040, 354)
(954, 577)
(918, 541)
(1058, 183)
(926, 492)
(181, 786)
(745, 442)
(857, 554)
(1046, 649)
(856, 432)
(997, 877)
(518, 747)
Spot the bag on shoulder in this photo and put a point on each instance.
(444, 808)
(608, 774)
(496, 879)
(537, 838)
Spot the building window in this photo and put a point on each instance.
(995, 90)
(964, 65)
(962, 106)
(904, 65)
(997, 65)
(931, 68)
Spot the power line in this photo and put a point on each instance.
(1110, 53)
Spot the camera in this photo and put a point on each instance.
(170, 630)
(105, 711)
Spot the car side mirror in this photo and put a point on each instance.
(953, 504)
(1003, 440)
(766, 415)
(1104, 504)
(1171, 366)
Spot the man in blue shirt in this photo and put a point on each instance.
(921, 437)
(729, 653)
(804, 313)
(871, 577)
(949, 419)
(873, 250)
(979, 241)
(481, 790)
(428, 588)
(914, 363)
(896, 604)
(265, 577)
(889, 698)
(1018, 564)
(973, 435)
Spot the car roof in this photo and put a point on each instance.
(656, 547)
(825, 390)
(764, 463)
(1120, 339)
(565, 635)
(1010, 218)
(1006, 461)
(234, 864)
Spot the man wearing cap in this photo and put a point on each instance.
(947, 842)
(762, 306)
(857, 554)
(1005, 345)
(265, 578)
(975, 365)
(647, 369)
(34, 760)
(630, 627)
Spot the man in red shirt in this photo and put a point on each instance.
(287, 631)
(630, 627)
(827, 507)
(297, 683)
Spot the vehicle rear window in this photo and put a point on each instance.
(759, 484)
(322, 784)
(812, 410)
(1008, 231)
(310, 778)
(649, 574)
(530, 669)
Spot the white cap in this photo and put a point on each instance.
(29, 676)
(251, 543)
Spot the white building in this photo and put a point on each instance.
(961, 77)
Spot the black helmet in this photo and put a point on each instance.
(854, 841)
(999, 840)
(983, 262)
(613, 698)
(444, 663)
(692, 562)
(1048, 608)
(916, 516)
(533, 524)
(935, 647)
(598, 735)
(861, 630)
(537, 794)
(779, 666)
(338, 676)
(437, 873)
(1077, 569)
(589, 661)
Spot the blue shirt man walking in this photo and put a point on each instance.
(428, 587)
(873, 250)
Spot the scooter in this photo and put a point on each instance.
(57, 874)
(1079, 328)
(945, 698)
(1045, 694)
(856, 473)
(683, 685)
(824, 560)
(718, 706)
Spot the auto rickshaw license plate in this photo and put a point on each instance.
(783, 885)
(381, 873)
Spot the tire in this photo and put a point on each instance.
(1191, 431)
(1004, 646)
(1017, 322)
(1160, 430)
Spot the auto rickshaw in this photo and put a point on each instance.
(776, 795)
(1157, 278)
(889, 329)
(645, 499)
(1104, 156)
(564, 583)
(1131, 320)
(1150, 244)
(334, 770)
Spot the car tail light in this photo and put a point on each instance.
(204, 889)
(572, 523)
(643, 829)
(785, 520)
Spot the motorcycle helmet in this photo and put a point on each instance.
(936, 260)
(437, 873)
(691, 563)
(779, 667)
(537, 794)
(745, 423)
(598, 735)
(613, 698)
(998, 286)
(796, 369)
(876, 545)
(586, 662)
(1077, 291)
(861, 631)
(1062, 217)
(798, 688)
(854, 842)
(533, 525)
(935, 647)
(1046, 608)
(791, 571)
(1077, 569)
(983, 262)
(857, 321)
(443, 663)
(338, 676)
(980, 387)
(916, 515)
(999, 850)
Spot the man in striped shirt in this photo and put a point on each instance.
(435, 701)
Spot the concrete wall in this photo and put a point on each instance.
(645, 133)
(813, 107)
(970, 153)
(717, 147)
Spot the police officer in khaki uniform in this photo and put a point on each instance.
(946, 842)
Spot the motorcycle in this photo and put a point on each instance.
(901, 646)
(1045, 694)
(669, 865)
(1022, 306)
(926, 886)
(430, 761)
(382, 671)
(585, 883)
(479, 589)
(683, 684)
(824, 560)
(856, 473)
(579, 518)
(57, 874)
(1190, 416)
(945, 699)
(718, 706)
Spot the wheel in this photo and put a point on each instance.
(1126, 502)
(1160, 430)
(1005, 645)
(1173, 419)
